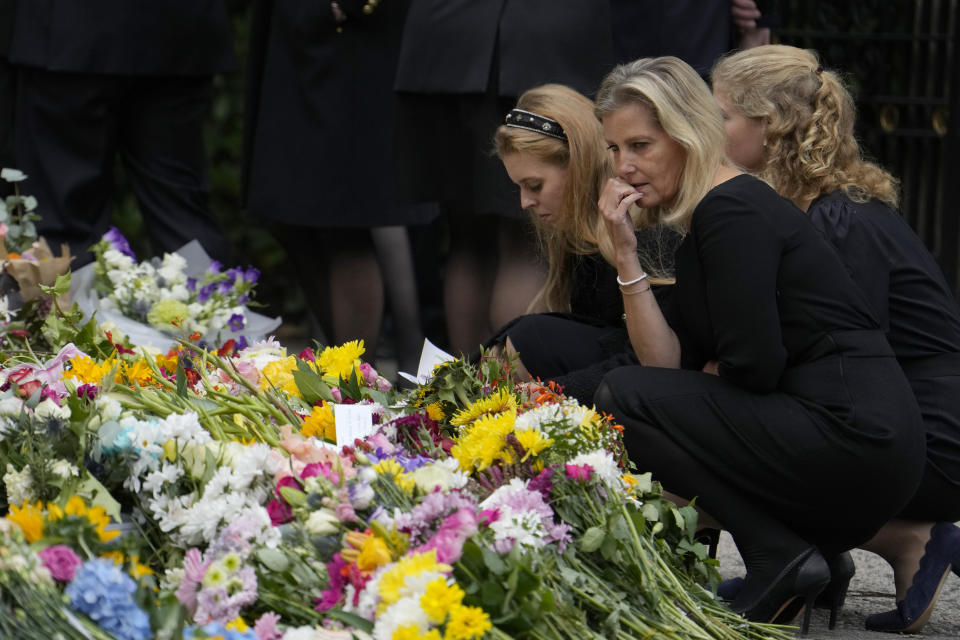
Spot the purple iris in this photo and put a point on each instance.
(236, 322)
(251, 275)
(225, 287)
(118, 242)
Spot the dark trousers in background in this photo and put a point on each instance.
(70, 128)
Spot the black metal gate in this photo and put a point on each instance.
(900, 59)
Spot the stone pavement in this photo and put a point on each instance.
(871, 591)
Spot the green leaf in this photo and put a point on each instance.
(273, 559)
(98, 496)
(181, 380)
(59, 288)
(350, 619)
(592, 539)
(494, 562)
(311, 384)
(651, 513)
(491, 595)
(294, 496)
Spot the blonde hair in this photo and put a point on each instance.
(681, 104)
(578, 230)
(810, 146)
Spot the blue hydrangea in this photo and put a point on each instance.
(215, 629)
(104, 593)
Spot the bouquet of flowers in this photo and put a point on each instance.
(181, 294)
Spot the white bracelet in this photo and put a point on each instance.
(629, 282)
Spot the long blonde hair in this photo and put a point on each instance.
(810, 145)
(578, 230)
(682, 105)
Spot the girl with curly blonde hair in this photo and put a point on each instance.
(791, 122)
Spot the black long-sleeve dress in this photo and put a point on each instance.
(811, 428)
(915, 306)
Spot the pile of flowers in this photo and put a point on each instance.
(160, 293)
(204, 492)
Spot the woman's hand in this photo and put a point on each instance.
(615, 200)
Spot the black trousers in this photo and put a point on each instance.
(70, 129)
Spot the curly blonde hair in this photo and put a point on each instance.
(578, 230)
(682, 105)
(810, 147)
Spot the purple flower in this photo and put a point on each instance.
(119, 243)
(87, 392)
(236, 322)
(61, 561)
(251, 275)
(206, 292)
(266, 627)
(191, 284)
(214, 267)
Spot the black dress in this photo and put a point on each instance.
(810, 430)
(917, 309)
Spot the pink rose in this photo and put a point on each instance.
(61, 561)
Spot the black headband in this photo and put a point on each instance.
(522, 119)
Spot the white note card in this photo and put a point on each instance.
(353, 421)
(430, 356)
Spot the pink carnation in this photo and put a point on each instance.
(61, 561)
(579, 472)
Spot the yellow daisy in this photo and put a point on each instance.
(439, 598)
(466, 623)
(498, 402)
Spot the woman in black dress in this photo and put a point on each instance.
(791, 122)
(552, 148)
(768, 391)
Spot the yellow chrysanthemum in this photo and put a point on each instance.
(338, 362)
(320, 423)
(439, 599)
(237, 624)
(168, 364)
(392, 468)
(533, 441)
(75, 507)
(54, 512)
(484, 442)
(393, 580)
(373, 553)
(466, 623)
(498, 402)
(435, 411)
(87, 371)
(412, 632)
(279, 374)
(29, 518)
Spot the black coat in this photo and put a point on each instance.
(319, 134)
(131, 37)
(449, 45)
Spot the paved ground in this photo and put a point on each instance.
(871, 591)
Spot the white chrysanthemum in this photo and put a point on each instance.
(19, 485)
(108, 408)
(166, 475)
(63, 469)
(603, 465)
(403, 613)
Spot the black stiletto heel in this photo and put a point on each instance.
(710, 538)
(832, 597)
(797, 585)
(842, 571)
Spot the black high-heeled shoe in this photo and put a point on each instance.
(940, 555)
(795, 587)
(832, 597)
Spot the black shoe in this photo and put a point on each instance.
(796, 586)
(832, 597)
(941, 554)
